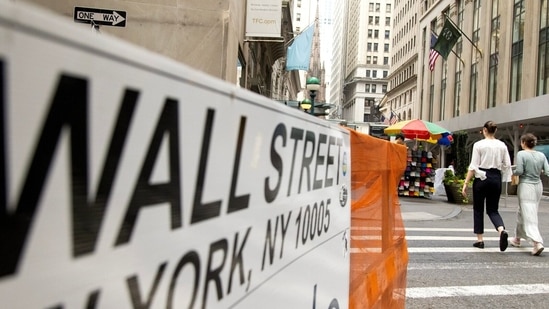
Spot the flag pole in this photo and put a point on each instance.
(286, 44)
(462, 62)
(458, 29)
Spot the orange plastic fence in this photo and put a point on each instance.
(379, 252)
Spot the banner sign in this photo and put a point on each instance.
(129, 180)
(263, 18)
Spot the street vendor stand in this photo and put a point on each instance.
(418, 179)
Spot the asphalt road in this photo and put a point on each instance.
(446, 271)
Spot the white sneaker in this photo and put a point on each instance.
(538, 248)
(513, 241)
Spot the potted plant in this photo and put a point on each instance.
(453, 185)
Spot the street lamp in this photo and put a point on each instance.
(306, 104)
(313, 85)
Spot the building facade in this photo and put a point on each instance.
(498, 70)
(364, 40)
(208, 35)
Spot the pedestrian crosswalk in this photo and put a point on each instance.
(461, 236)
(449, 252)
(480, 290)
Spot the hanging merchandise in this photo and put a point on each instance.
(419, 177)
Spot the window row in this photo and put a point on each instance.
(373, 73)
(373, 60)
(403, 75)
(374, 47)
(372, 88)
(375, 34)
(376, 7)
(374, 20)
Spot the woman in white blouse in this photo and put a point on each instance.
(490, 164)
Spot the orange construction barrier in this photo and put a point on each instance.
(379, 253)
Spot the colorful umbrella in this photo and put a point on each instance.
(422, 130)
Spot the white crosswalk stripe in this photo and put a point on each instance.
(452, 241)
(480, 290)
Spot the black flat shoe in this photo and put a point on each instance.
(479, 244)
(503, 240)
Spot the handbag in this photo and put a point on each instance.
(514, 180)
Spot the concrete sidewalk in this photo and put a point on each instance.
(437, 207)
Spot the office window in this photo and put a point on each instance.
(374, 73)
(376, 34)
(473, 90)
(388, 8)
(457, 94)
(492, 80)
(370, 20)
(367, 73)
(516, 51)
(367, 88)
(384, 88)
(369, 33)
(385, 60)
(375, 60)
(459, 66)
(494, 55)
(378, 7)
(386, 48)
(387, 21)
(385, 74)
(476, 21)
(368, 59)
(387, 34)
(375, 47)
(377, 21)
(371, 7)
(369, 47)
(373, 88)
(543, 54)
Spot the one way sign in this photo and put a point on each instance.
(100, 16)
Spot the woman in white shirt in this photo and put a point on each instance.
(490, 164)
(530, 164)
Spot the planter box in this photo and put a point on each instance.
(453, 192)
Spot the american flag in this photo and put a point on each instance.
(393, 119)
(433, 54)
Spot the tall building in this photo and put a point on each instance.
(498, 70)
(326, 10)
(364, 39)
(337, 78)
(401, 96)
